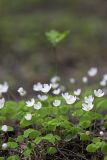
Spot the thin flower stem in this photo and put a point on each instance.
(55, 59)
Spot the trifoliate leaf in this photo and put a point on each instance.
(51, 150)
(91, 148)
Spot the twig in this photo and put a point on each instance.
(78, 155)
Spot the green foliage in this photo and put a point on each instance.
(31, 133)
(96, 139)
(55, 37)
(50, 126)
(20, 138)
(91, 148)
(84, 137)
(104, 148)
(85, 124)
(50, 138)
(97, 144)
(38, 140)
(27, 152)
(105, 158)
(15, 157)
(51, 150)
(12, 145)
(1, 158)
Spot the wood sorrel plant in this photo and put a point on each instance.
(55, 38)
(45, 125)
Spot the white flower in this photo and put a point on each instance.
(57, 91)
(66, 95)
(55, 79)
(30, 103)
(88, 99)
(103, 82)
(4, 87)
(21, 91)
(56, 103)
(2, 102)
(72, 80)
(46, 88)
(98, 93)
(38, 105)
(4, 128)
(87, 107)
(4, 146)
(87, 133)
(69, 98)
(77, 92)
(28, 116)
(84, 79)
(101, 133)
(37, 87)
(92, 72)
(54, 85)
(42, 97)
(105, 77)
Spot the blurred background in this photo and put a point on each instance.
(26, 55)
